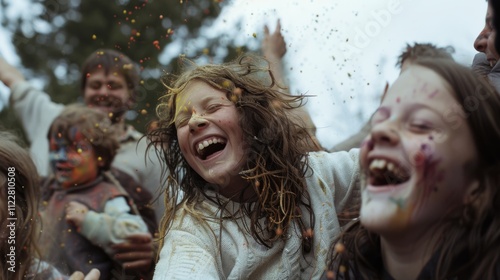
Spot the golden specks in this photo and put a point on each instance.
(79, 150)
(144, 112)
(226, 84)
(342, 269)
(254, 35)
(99, 158)
(128, 66)
(308, 233)
(94, 37)
(339, 248)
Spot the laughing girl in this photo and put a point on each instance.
(430, 187)
(255, 204)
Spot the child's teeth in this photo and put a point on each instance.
(200, 146)
(390, 166)
(210, 141)
(205, 143)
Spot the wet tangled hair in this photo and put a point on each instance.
(95, 127)
(19, 183)
(471, 230)
(275, 158)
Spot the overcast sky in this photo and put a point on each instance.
(342, 51)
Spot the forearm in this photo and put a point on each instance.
(112, 226)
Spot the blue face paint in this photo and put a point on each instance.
(58, 155)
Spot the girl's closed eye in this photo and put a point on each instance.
(420, 126)
(213, 107)
(181, 121)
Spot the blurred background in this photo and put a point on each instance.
(341, 51)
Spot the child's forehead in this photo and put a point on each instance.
(71, 134)
(418, 82)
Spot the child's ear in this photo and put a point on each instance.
(472, 193)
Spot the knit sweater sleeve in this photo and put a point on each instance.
(189, 252)
(113, 225)
(339, 172)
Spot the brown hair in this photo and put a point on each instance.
(19, 184)
(473, 229)
(418, 50)
(94, 125)
(275, 164)
(111, 60)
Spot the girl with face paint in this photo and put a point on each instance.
(248, 200)
(85, 208)
(431, 169)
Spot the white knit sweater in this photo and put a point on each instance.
(191, 251)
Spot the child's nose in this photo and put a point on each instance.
(385, 133)
(197, 122)
(61, 155)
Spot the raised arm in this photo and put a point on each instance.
(273, 49)
(34, 109)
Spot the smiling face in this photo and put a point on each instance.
(107, 92)
(417, 165)
(73, 163)
(485, 41)
(491, 52)
(210, 136)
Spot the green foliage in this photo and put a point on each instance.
(54, 43)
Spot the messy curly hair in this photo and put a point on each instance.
(472, 229)
(94, 125)
(275, 158)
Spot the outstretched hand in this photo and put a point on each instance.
(273, 45)
(136, 253)
(9, 75)
(94, 274)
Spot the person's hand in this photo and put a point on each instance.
(273, 45)
(9, 75)
(94, 274)
(136, 253)
(75, 213)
